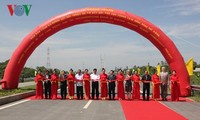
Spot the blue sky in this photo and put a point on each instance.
(82, 46)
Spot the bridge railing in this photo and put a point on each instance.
(195, 88)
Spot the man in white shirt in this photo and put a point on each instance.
(164, 77)
(79, 84)
(95, 83)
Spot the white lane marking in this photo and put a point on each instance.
(87, 105)
(13, 104)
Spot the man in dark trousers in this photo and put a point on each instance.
(63, 84)
(95, 83)
(79, 84)
(111, 85)
(146, 79)
(47, 85)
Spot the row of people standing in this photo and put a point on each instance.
(160, 85)
(132, 85)
(51, 84)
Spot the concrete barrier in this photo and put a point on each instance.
(15, 97)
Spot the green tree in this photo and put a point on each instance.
(3, 67)
(194, 65)
(41, 68)
(27, 72)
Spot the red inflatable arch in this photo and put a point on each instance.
(93, 15)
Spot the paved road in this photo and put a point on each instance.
(63, 110)
(74, 109)
(190, 110)
(80, 109)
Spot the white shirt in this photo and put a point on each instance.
(164, 77)
(94, 77)
(79, 77)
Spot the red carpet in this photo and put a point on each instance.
(152, 110)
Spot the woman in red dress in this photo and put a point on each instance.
(136, 86)
(120, 85)
(156, 86)
(39, 85)
(174, 81)
(86, 79)
(54, 85)
(103, 80)
(70, 79)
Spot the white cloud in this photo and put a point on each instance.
(12, 34)
(190, 30)
(71, 48)
(113, 54)
(186, 38)
(64, 41)
(183, 7)
(10, 38)
(5, 53)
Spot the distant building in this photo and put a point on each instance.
(197, 70)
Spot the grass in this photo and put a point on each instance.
(16, 91)
(196, 96)
(195, 79)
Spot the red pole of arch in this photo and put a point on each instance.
(90, 15)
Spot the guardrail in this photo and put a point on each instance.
(195, 88)
(21, 79)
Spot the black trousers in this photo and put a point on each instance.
(111, 91)
(79, 92)
(95, 90)
(63, 89)
(164, 91)
(47, 89)
(146, 88)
